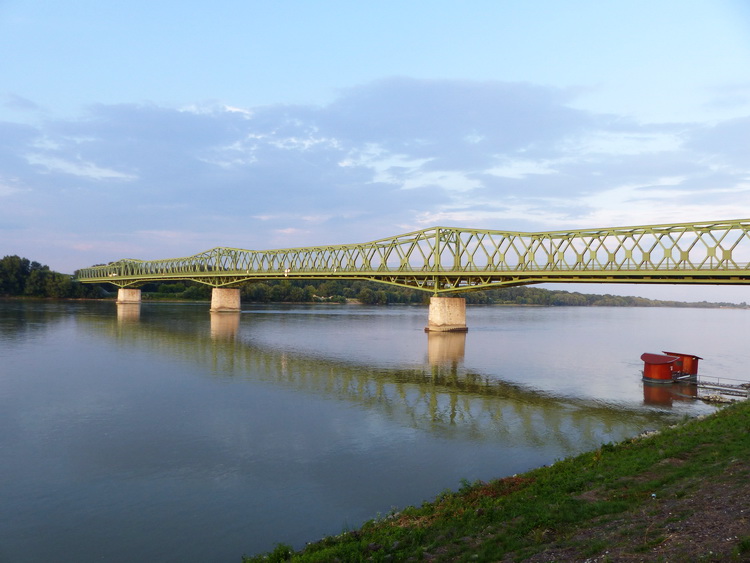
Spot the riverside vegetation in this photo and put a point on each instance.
(22, 277)
(682, 494)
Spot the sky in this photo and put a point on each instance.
(151, 130)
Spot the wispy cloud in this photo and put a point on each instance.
(19, 103)
(9, 186)
(77, 168)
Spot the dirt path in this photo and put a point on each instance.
(705, 520)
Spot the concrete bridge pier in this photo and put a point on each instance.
(447, 314)
(128, 295)
(224, 299)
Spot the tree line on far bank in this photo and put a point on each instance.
(21, 277)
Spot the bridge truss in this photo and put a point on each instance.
(445, 260)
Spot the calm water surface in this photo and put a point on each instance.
(161, 432)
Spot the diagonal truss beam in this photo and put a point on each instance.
(446, 260)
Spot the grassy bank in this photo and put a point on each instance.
(680, 495)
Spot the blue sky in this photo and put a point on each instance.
(162, 129)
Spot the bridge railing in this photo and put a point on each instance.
(706, 249)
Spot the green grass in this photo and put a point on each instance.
(519, 515)
(743, 547)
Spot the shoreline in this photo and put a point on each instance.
(682, 493)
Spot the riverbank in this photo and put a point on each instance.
(679, 495)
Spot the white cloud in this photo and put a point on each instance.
(77, 168)
(521, 168)
(539, 213)
(316, 218)
(9, 186)
(166, 235)
(454, 181)
(645, 205)
(212, 108)
(387, 167)
(303, 143)
(290, 231)
(630, 142)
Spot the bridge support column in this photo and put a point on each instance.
(224, 299)
(447, 314)
(128, 295)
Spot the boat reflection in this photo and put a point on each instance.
(664, 394)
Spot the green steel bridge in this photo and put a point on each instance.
(445, 260)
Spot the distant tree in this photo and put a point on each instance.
(366, 296)
(280, 291)
(59, 285)
(329, 288)
(173, 288)
(36, 283)
(610, 301)
(197, 291)
(569, 299)
(13, 273)
(299, 295)
(257, 292)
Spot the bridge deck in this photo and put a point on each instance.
(444, 260)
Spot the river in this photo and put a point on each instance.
(162, 432)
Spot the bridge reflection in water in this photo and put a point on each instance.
(128, 312)
(439, 396)
(445, 348)
(225, 326)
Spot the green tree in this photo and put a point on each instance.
(172, 288)
(36, 283)
(14, 271)
(330, 288)
(299, 295)
(257, 292)
(366, 296)
(197, 291)
(59, 285)
(280, 292)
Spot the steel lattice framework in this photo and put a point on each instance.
(444, 259)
